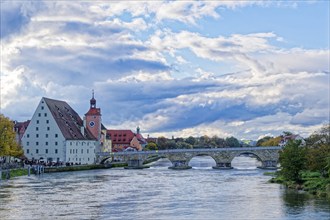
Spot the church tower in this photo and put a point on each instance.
(93, 119)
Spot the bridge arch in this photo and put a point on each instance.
(250, 161)
(208, 157)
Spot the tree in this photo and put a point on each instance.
(232, 142)
(161, 141)
(191, 140)
(151, 146)
(318, 149)
(8, 144)
(293, 161)
(262, 140)
(171, 145)
(272, 142)
(184, 145)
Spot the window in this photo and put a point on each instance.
(46, 135)
(27, 151)
(56, 135)
(48, 128)
(70, 143)
(37, 121)
(37, 151)
(88, 151)
(39, 114)
(42, 108)
(46, 143)
(70, 151)
(47, 121)
(46, 150)
(37, 135)
(27, 135)
(76, 151)
(56, 151)
(88, 158)
(45, 114)
(56, 143)
(82, 151)
(37, 143)
(27, 143)
(37, 129)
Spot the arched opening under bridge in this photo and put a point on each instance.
(202, 162)
(246, 161)
(161, 163)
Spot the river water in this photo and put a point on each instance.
(158, 193)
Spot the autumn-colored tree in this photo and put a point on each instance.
(318, 149)
(262, 140)
(151, 146)
(8, 144)
(272, 141)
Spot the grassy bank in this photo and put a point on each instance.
(14, 173)
(311, 182)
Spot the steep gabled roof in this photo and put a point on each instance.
(19, 126)
(67, 120)
(121, 136)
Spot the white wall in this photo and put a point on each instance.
(48, 137)
(79, 151)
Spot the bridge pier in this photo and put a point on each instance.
(223, 166)
(269, 165)
(135, 164)
(179, 165)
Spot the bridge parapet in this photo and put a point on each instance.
(180, 157)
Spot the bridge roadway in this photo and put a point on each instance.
(180, 157)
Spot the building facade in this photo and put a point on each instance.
(54, 131)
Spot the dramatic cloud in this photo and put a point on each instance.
(168, 66)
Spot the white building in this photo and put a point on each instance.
(57, 133)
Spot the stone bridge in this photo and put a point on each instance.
(180, 157)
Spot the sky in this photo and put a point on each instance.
(174, 68)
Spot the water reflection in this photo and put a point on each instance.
(158, 193)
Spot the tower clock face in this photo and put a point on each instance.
(92, 123)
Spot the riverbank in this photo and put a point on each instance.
(13, 173)
(311, 182)
(24, 171)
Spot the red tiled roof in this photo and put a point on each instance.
(94, 111)
(120, 136)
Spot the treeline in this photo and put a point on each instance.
(307, 166)
(193, 142)
(8, 144)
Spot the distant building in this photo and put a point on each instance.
(56, 133)
(123, 139)
(292, 137)
(19, 128)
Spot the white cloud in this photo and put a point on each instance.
(63, 50)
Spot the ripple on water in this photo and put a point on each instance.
(200, 193)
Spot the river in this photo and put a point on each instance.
(158, 193)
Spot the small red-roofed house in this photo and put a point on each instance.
(122, 139)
